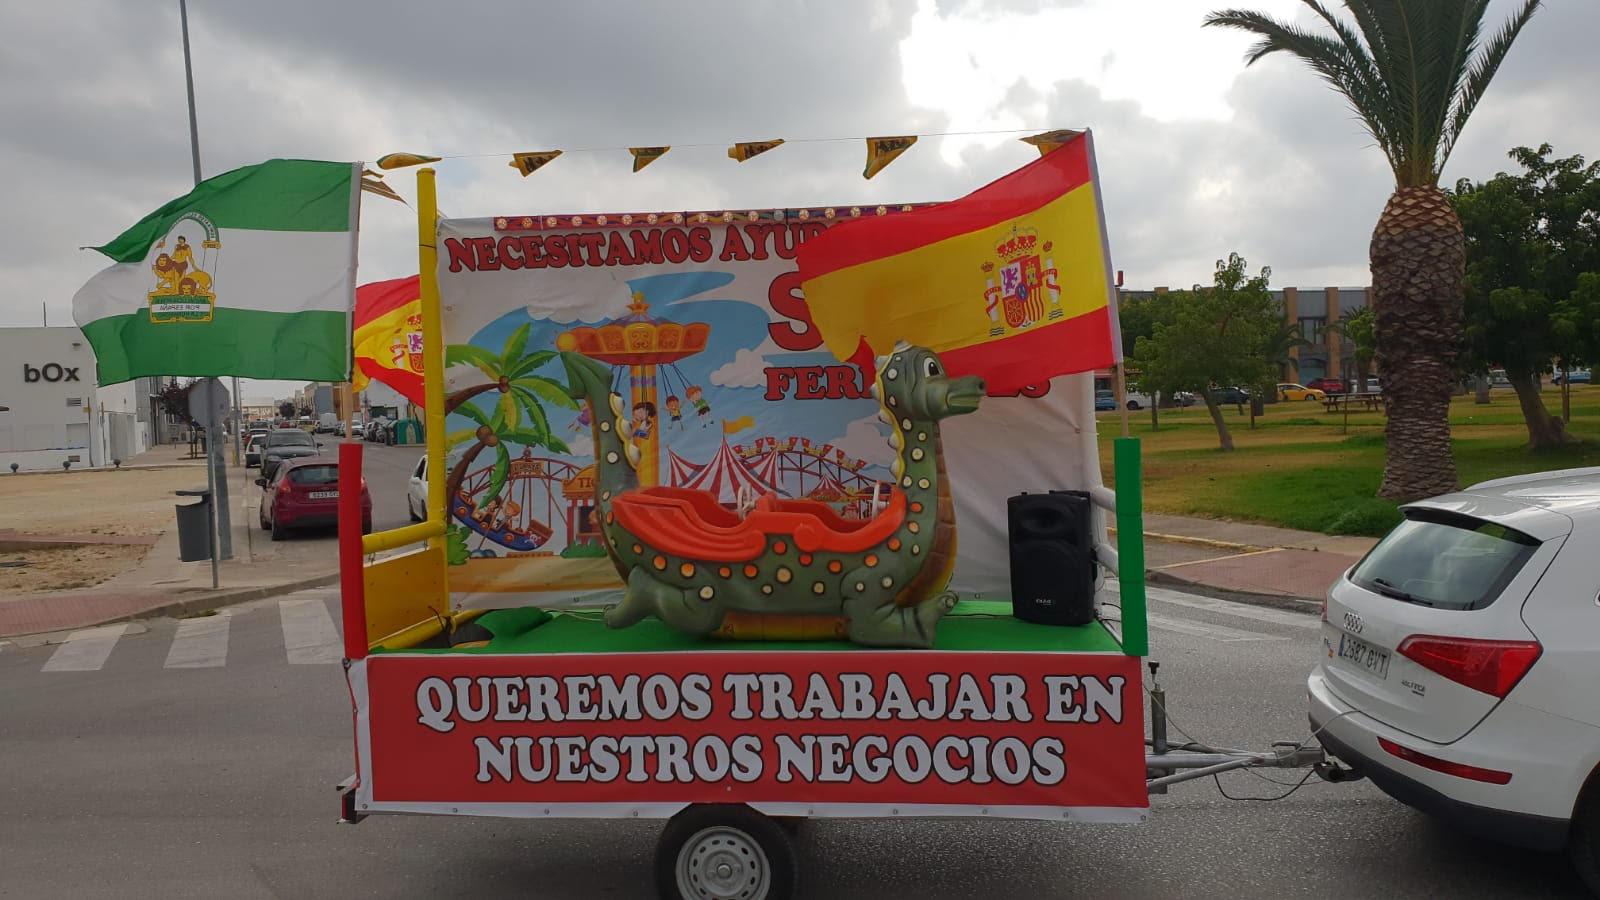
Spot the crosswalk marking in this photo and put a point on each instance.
(311, 636)
(1205, 630)
(308, 633)
(85, 650)
(200, 643)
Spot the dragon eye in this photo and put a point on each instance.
(930, 367)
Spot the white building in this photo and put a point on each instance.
(51, 410)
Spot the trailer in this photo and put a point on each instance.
(490, 671)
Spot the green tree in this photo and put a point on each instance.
(286, 409)
(1530, 238)
(518, 415)
(1413, 71)
(1360, 328)
(1217, 338)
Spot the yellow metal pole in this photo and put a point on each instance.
(432, 348)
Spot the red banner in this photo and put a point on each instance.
(1000, 731)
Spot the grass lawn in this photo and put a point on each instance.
(1300, 468)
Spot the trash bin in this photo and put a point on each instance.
(194, 527)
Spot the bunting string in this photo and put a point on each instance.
(881, 151)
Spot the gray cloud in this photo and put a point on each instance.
(96, 135)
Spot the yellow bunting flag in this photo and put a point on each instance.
(529, 163)
(401, 160)
(884, 150)
(733, 426)
(372, 182)
(1050, 140)
(746, 149)
(644, 156)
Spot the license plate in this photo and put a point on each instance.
(324, 495)
(1364, 656)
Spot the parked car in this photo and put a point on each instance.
(1300, 392)
(1327, 385)
(1136, 400)
(1498, 378)
(1104, 400)
(1459, 661)
(286, 443)
(1577, 376)
(417, 491)
(252, 448)
(304, 492)
(1184, 398)
(1231, 395)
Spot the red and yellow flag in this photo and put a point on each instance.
(1011, 282)
(387, 337)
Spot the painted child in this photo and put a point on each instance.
(675, 409)
(644, 417)
(702, 409)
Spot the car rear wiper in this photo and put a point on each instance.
(1388, 589)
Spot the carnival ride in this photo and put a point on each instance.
(510, 519)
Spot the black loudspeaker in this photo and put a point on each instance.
(1052, 558)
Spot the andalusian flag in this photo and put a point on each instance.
(1011, 282)
(252, 273)
(387, 340)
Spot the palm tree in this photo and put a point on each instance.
(510, 372)
(496, 430)
(1413, 71)
(522, 397)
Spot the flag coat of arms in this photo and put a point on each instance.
(252, 273)
(1011, 282)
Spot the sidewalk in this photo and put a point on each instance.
(162, 585)
(1259, 561)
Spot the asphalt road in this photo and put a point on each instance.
(199, 759)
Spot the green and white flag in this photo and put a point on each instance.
(252, 273)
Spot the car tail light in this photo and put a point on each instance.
(1459, 770)
(1493, 667)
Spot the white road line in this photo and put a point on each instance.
(1213, 632)
(200, 643)
(308, 633)
(1241, 610)
(85, 650)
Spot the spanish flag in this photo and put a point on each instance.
(1011, 283)
(387, 337)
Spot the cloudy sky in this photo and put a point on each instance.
(1198, 155)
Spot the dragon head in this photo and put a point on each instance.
(914, 385)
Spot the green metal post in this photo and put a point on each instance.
(1130, 547)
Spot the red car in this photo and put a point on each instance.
(1327, 385)
(304, 492)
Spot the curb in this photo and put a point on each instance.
(1276, 601)
(198, 601)
(212, 600)
(1200, 541)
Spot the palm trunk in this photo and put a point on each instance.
(1418, 265)
(1224, 439)
(1480, 390)
(458, 472)
(465, 394)
(1544, 430)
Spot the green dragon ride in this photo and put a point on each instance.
(790, 569)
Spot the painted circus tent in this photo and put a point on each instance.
(727, 382)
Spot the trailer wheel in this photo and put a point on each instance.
(724, 852)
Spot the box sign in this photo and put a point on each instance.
(49, 372)
(1035, 735)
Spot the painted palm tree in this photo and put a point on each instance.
(518, 415)
(496, 430)
(1413, 71)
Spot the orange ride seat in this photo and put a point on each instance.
(693, 525)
